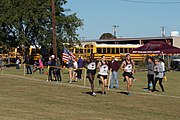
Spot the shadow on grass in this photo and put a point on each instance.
(124, 93)
(90, 93)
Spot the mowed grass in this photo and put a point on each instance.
(33, 98)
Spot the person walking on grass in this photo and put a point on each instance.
(103, 72)
(158, 70)
(150, 75)
(114, 67)
(91, 71)
(164, 69)
(128, 67)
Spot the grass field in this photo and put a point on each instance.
(33, 98)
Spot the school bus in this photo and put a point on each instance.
(34, 53)
(117, 50)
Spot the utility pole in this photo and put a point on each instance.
(54, 28)
(163, 32)
(114, 29)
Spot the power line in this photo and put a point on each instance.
(151, 2)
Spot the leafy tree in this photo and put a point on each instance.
(29, 22)
(107, 36)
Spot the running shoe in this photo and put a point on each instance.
(129, 94)
(93, 94)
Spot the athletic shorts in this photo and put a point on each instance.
(129, 74)
(93, 72)
(104, 76)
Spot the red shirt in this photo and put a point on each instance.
(114, 65)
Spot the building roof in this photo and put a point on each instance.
(128, 39)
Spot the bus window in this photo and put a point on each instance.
(104, 50)
(77, 50)
(121, 50)
(84, 50)
(130, 49)
(125, 50)
(99, 50)
(113, 50)
(88, 50)
(117, 50)
(108, 50)
(91, 50)
(81, 50)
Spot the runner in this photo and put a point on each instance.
(103, 73)
(128, 67)
(91, 71)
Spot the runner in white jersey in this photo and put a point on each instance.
(91, 71)
(103, 73)
(128, 67)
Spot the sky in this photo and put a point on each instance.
(133, 19)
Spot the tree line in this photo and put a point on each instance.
(29, 22)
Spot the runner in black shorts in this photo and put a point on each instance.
(128, 67)
(91, 71)
(103, 73)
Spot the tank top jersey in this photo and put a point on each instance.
(103, 69)
(92, 64)
(128, 66)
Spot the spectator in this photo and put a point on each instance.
(150, 75)
(158, 70)
(80, 66)
(1, 62)
(49, 71)
(27, 63)
(57, 71)
(39, 66)
(17, 62)
(75, 66)
(162, 62)
(114, 67)
(70, 66)
(52, 66)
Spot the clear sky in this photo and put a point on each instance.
(134, 19)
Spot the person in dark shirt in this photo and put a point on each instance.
(51, 64)
(27, 63)
(114, 67)
(150, 75)
(70, 69)
(80, 66)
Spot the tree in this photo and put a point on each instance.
(107, 36)
(29, 22)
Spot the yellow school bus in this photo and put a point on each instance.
(117, 50)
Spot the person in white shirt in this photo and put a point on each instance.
(75, 71)
(162, 62)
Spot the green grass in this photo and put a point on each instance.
(32, 98)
